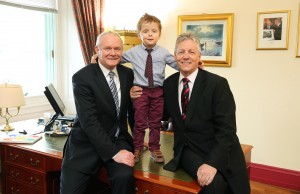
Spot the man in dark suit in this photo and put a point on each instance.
(277, 29)
(202, 110)
(100, 135)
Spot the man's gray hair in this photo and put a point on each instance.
(99, 38)
(188, 36)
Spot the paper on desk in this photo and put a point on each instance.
(13, 137)
(29, 126)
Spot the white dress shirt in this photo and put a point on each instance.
(116, 79)
(192, 78)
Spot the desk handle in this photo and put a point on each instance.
(13, 157)
(33, 163)
(13, 174)
(13, 191)
(137, 189)
(34, 182)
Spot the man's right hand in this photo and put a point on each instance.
(135, 92)
(124, 157)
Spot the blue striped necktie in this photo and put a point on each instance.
(113, 89)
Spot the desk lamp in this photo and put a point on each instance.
(10, 96)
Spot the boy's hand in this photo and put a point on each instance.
(135, 92)
(94, 58)
(201, 65)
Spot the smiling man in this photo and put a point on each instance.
(202, 110)
(99, 137)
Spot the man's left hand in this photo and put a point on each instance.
(206, 174)
(124, 157)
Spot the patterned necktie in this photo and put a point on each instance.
(113, 89)
(185, 97)
(149, 70)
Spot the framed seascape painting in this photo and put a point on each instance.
(215, 32)
(273, 30)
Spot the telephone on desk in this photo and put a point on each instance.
(66, 118)
(59, 125)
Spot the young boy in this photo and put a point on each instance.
(149, 106)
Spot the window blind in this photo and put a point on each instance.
(40, 5)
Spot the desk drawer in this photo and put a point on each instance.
(143, 187)
(25, 158)
(13, 187)
(26, 176)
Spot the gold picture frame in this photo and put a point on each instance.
(215, 32)
(298, 36)
(273, 30)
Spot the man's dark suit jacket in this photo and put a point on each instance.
(91, 141)
(210, 127)
(278, 32)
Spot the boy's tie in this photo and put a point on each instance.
(149, 70)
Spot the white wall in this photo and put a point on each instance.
(70, 58)
(265, 83)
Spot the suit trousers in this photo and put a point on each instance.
(73, 181)
(148, 114)
(237, 184)
(190, 162)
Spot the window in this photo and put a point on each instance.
(26, 49)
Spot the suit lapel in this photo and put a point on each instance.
(123, 83)
(176, 103)
(196, 93)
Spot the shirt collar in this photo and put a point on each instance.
(106, 71)
(191, 77)
(154, 48)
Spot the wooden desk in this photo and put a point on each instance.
(32, 169)
(35, 169)
(152, 178)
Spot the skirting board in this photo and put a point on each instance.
(289, 179)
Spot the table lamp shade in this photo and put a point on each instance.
(11, 96)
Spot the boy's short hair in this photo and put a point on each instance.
(148, 19)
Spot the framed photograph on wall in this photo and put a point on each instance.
(215, 32)
(273, 30)
(298, 36)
